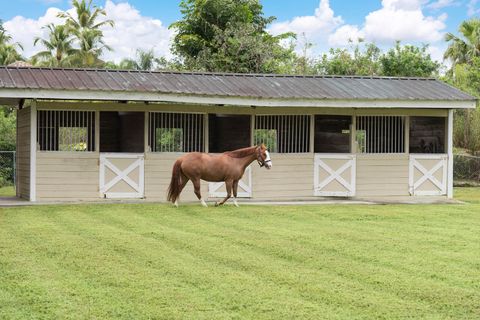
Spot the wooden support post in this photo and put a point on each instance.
(450, 154)
(146, 147)
(205, 132)
(407, 135)
(33, 151)
(353, 135)
(97, 131)
(312, 133)
(252, 130)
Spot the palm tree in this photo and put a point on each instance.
(84, 25)
(59, 47)
(462, 49)
(145, 60)
(4, 36)
(9, 52)
(91, 48)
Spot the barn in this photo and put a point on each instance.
(91, 134)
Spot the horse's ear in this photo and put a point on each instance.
(263, 146)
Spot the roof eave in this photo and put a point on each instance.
(15, 94)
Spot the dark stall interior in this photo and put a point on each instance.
(332, 134)
(228, 132)
(122, 132)
(427, 134)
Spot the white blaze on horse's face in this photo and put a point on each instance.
(268, 161)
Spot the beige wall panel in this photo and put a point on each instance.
(291, 177)
(79, 172)
(382, 175)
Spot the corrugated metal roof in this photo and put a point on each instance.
(231, 85)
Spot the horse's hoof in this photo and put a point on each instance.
(216, 204)
(175, 204)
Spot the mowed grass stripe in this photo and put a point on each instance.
(151, 261)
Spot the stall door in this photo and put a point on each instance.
(428, 174)
(121, 175)
(334, 175)
(217, 189)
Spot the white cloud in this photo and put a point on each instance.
(440, 4)
(24, 30)
(316, 28)
(345, 34)
(132, 31)
(472, 8)
(403, 20)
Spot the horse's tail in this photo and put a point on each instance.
(175, 186)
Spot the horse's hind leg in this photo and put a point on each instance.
(184, 182)
(228, 185)
(196, 187)
(235, 189)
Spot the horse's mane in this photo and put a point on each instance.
(241, 153)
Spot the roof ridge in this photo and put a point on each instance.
(225, 74)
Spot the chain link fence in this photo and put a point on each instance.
(466, 169)
(7, 168)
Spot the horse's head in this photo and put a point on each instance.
(263, 157)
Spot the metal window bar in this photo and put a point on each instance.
(60, 130)
(381, 134)
(175, 132)
(283, 133)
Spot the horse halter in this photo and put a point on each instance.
(260, 161)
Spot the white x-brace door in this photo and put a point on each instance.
(122, 175)
(428, 174)
(217, 189)
(334, 175)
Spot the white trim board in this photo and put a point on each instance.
(237, 101)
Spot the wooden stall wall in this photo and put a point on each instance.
(382, 175)
(23, 153)
(67, 176)
(290, 178)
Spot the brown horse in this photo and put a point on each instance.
(228, 167)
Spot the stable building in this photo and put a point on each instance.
(86, 134)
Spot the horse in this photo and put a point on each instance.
(228, 166)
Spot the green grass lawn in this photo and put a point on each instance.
(276, 262)
(7, 191)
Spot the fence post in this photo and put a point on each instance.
(15, 169)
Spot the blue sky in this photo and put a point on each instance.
(143, 23)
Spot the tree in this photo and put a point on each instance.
(464, 53)
(145, 60)
(408, 61)
(228, 35)
(362, 60)
(464, 48)
(9, 51)
(86, 28)
(466, 76)
(59, 47)
(7, 129)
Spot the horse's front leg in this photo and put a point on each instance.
(196, 189)
(228, 185)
